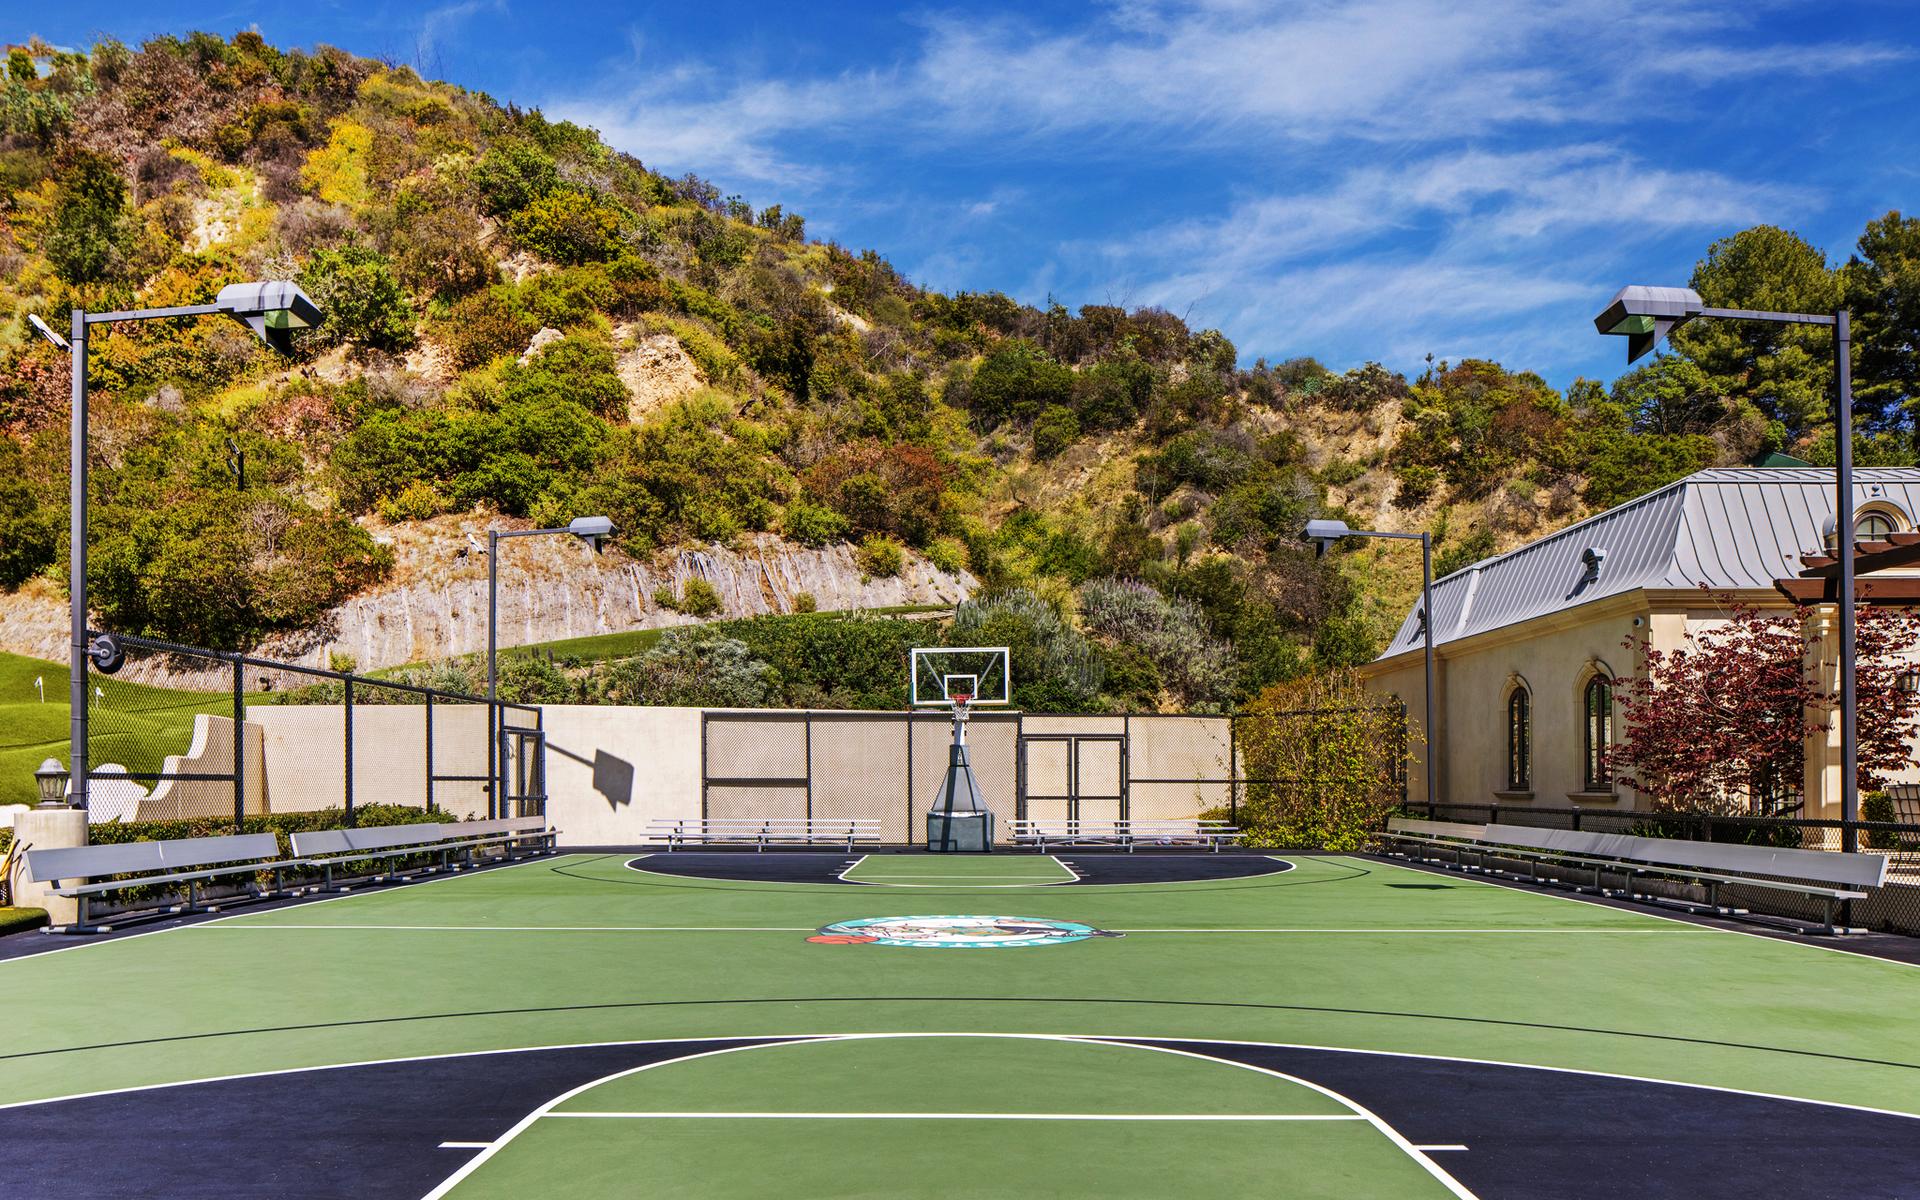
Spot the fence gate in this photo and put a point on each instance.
(1073, 776)
(523, 769)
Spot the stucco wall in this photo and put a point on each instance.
(305, 749)
(1470, 701)
(612, 770)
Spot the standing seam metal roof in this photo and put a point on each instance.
(1729, 528)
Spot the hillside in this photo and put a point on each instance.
(523, 324)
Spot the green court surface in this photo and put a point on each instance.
(926, 1067)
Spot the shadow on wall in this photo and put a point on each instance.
(613, 778)
(612, 775)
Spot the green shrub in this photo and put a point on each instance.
(1171, 633)
(1336, 751)
(482, 327)
(568, 226)
(947, 554)
(692, 668)
(359, 299)
(803, 602)
(1015, 382)
(833, 661)
(666, 597)
(512, 174)
(812, 524)
(880, 557)
(1055, 669)
(574, 369)
(698, 598)
(1878, 806)
(1054, 430)
(89, 235)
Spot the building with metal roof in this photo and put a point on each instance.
(1528, 641)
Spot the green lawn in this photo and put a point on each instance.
(134, 724)
(13, 920)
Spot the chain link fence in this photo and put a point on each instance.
(181, 732)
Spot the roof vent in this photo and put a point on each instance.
(1591, 559)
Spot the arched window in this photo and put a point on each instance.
(1596, 734)
(1874, 526)
(1519, 739)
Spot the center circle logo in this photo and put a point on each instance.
(956, 933)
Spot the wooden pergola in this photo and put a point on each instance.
(1819, 582)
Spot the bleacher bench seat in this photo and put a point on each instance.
(1829, 877)
(1128, 835)
(679, 832)
(327, 849)
(179, 865)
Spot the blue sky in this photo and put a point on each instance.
(1350, 179)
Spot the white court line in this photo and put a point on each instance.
(950, 1116)
(1589, 902)
(531, 928)
(1099, 1037)
(89, 942)
(546, 1110)
(1360, 931)
(464, 1145)
(1437, 1148)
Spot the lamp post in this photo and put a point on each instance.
(1645, 316)
(1323, 534)
(272, 311)
(51, 779)
(591, 530)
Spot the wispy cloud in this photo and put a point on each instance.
(1429, 173)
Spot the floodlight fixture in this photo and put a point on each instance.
(1324, 533)
(46, 331)
(1646, 315)
(591, 528)
(273, 310)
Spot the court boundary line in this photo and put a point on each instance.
(1072, 877)
(89, 942)
(814, 1036)
(946, 1116)
(1286, 865)
(1350, 931)
(1590, 902)
(1393, 1135)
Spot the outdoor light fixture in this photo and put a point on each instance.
(1323, 534)
(272, 310)
(52, 779)
(1645, 316)
(591, 530)
(1908, 681)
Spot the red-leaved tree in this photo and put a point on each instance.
(1719, 725)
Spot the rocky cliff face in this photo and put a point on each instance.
(436, 602)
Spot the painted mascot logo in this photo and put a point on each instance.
(957, 933)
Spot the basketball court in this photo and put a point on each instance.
(906, 1024)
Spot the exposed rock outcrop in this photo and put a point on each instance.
(436, 602)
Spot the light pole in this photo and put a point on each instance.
(590, 530)
(1645, 316)
(272, 311)
(1323, 534)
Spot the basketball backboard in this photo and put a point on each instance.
(982, 674)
